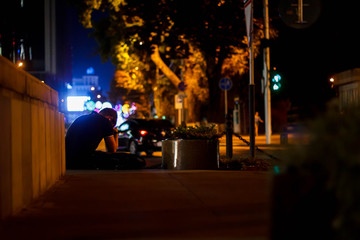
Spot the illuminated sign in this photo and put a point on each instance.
(76, 103)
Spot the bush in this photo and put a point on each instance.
(255, 164)
(333, 155)
(246, 164)
(197, 132)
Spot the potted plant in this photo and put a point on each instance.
(318, 195)
(191, 148)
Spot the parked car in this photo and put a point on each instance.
(142, 135)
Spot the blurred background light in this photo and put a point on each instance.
(76, 103)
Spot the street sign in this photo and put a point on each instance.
(180, 101)
(225, 84)
(299, 14)
(249, 19)
(182, 86)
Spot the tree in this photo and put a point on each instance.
(142, 37)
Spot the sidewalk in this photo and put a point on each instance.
(149, 204)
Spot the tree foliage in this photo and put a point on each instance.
(141, 37)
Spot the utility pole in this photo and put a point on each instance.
(252, 102)
(248, 6)
(267, 93)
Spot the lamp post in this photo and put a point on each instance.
(267, 92)
(248, 6)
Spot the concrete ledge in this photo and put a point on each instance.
(21, 82)
(32, 137)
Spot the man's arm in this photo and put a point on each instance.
(112, 143)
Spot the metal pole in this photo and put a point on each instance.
(228, 130)
(182, 111)
(267, 93)
(184, 95)
(179, 116)
(300, 11)
(229, 134)
(248, 17)
(226, 103)
(251, 103)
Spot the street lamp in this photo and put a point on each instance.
(20, 64)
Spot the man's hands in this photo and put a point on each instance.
(112, 142)
(116, 132)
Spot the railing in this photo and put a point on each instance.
(32, 146)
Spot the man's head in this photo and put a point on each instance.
(110, 114)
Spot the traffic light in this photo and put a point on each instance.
(275, 81)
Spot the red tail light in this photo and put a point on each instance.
(143, 132)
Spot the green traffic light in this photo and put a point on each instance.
(276, 78)
(276, 82)
(276, 86)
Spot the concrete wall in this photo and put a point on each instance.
(32, 138)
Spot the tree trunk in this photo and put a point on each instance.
(160, 105)
(156, 58)
(191, 91)
(192, 106)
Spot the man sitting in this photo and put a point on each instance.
(84, 136)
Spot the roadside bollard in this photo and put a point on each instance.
(229, 133)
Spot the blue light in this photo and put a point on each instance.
(90, 70)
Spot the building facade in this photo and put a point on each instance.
(34, 35)
(348, 84)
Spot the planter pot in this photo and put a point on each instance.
(190, 154)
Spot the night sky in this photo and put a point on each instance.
(309, 57)
(85, 55)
